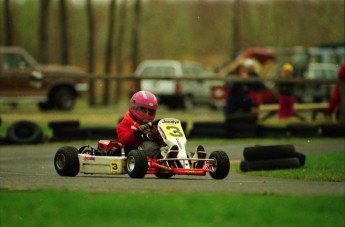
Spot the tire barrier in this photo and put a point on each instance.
(257, 153)
(235, 126)
(332, 130)
(302, 130)
(271, 131)
(66, 130)
(24, 132)
(272, 164)
(271, 157)
(208, 130)
(71, 130)
(242, 125)
(56, 125)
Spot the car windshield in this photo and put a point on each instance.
(16, 61)
(192, 70)
(159, 71)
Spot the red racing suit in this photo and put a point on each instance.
(125, 132)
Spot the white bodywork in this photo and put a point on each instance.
(172, 134)
(102, 164)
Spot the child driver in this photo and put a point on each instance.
(137, 122)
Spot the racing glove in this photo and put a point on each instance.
(143, 129)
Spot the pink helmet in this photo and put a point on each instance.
(143, 106)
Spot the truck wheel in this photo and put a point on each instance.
(24, 132)
(64, 98)
(66, 161)
(221, 166)
(136, 164)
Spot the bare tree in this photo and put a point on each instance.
(235, 28)
(108, 50)
(118, 48)
(43, 31)
(8, 24)
(64, 32)
(90, 48)
(135, 35)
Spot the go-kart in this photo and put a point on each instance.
(110, 158)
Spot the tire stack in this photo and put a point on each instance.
(242, 125)
(302, 130)
(71, 130)
(332, 130)
(208, 130)
(24, 132)
(67, 130)
(271, 157)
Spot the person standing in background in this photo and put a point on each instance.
(334, 102)
(286, 97)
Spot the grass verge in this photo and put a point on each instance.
(318, 167)
(61, 208)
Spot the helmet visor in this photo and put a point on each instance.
(144, 110)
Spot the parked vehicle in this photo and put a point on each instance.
(317, 92)
(175, 93)
(23, 80)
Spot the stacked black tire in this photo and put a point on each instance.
(71, 130)
(242, 125)
(24, 132)
(271, 157)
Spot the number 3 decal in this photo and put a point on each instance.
(176, 132)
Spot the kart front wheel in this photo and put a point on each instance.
(66, 161)
(136, 164)
(220, 167)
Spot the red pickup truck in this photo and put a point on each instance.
(23, 80)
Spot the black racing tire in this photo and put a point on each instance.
(221, 167)
(301, 157)
(164, 175)
(24, 132)
(66, 161)
(257, 153)
(64, 98)
(136, 164)
(272, 164)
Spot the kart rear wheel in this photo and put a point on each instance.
(136, 164)
(221, 165)
(66, 161)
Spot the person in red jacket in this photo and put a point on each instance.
(137, 124)
(334, 102)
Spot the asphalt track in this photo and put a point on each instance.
(28, 167)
